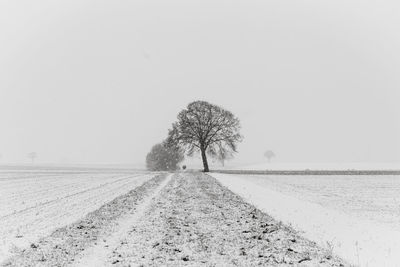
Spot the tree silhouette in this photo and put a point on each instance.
(269, 154)
(222, 154)
(206, 128)
(32, 156)
(163, 158)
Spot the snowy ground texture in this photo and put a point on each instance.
(33, 205)
(62, 246)
(279, 166)
(356, 216)
(186, 219)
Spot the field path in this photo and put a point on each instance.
(194, 221)
(98, 254)
(184, 219)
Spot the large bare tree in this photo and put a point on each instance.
(206, 128)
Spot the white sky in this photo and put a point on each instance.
(102, 81)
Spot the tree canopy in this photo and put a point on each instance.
(269, 154)
(205, 128)
(164, 158)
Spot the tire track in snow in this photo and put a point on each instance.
(97, 255)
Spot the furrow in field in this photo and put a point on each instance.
(58, 193)
(14, 177)
(13, 196)
(20, 229)
(65, 244)
(195, 221)
(98, 254)
(50, 209)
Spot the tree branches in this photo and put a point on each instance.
(205, 127)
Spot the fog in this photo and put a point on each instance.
(102, 81)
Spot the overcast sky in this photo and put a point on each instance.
(102, 81)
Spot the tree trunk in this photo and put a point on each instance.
(204, 158)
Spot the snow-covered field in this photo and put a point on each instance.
(59, 216)
(182, 219)
(315, 166)
(34, 204)
(356, 216)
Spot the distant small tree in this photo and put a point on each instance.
(269, 154)
(184, 167)
(222, 154)
(204, 127)
(32, 156)
(164, 158)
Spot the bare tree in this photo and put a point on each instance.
(206, 128)
(32, 156)
(269, 154)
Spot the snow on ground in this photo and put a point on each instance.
(33, 205)
(97, 254)
(196, 222)
(62, 246)
(355, 216)
(316, 166)
(188, 219)
(369, 197)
